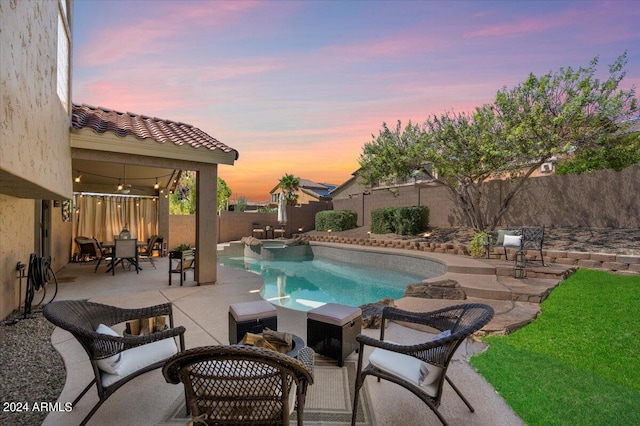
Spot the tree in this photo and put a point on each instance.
(559, 112)
(183, 200)
(241, 205)
(617, 154)
(224, 192)
(388, 158)
(290, 185)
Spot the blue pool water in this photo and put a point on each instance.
(306, 283)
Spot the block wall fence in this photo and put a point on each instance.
(602, 199)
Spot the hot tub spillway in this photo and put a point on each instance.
(276, 250)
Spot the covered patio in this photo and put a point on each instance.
(124, 167)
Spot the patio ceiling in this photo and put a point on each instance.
(103, 177)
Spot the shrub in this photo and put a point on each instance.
(382, 220)
(336, 220)
(478, 243)
(400, 220)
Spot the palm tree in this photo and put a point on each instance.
(290, 185)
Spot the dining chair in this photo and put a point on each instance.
(103, 254)
(125, 250)
(147, 253)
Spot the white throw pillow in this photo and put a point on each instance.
(111, 364)
(512, 240)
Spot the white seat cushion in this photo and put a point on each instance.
(139, 357)
(111, 364)
(408, 368)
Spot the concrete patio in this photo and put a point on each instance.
(202, 310)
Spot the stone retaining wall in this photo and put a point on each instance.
(605, 261)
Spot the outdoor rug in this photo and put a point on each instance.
(329, 399)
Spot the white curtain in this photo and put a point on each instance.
(103, 217)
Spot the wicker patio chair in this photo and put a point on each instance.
(242, 385)
(87, 248)
(115, 359)
(421, 367)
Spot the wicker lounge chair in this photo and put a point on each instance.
(421, 367)
(115, 359)
(233, 385)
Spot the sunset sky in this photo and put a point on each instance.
(299, 87)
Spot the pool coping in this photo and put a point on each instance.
(452, 263)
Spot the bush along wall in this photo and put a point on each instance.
(336, 220)
(400, 220)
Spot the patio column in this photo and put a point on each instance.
(206, 224)
(163, 218)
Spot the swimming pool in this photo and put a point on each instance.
(306, 283)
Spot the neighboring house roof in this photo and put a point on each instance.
(338, 189)
(632, 125)
(102, 120)
(318, 190)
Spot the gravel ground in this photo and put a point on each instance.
(31, 370)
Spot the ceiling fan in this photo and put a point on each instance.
(124, 188)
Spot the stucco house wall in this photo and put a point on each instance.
(35, 157)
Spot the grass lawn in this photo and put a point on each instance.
(578, 363)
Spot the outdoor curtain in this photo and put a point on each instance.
(103, 217)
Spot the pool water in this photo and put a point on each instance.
(306, 283)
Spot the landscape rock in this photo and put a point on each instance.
(444, 289)
(372, 312)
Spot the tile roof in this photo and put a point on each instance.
(101, 120)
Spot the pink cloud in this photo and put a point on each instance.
(524, 26)
(404, 43)
(133, 38)
(601, 19)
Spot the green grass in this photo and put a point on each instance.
(578, 363)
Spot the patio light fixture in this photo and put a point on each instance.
(157, 185)
(77, 179)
